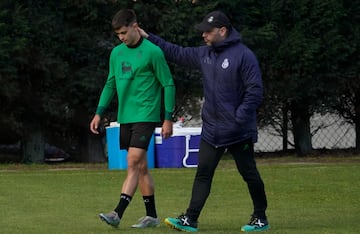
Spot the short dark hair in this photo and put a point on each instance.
(123, 18)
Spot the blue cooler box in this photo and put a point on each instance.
(179, 150)
(117, 157)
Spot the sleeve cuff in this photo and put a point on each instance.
(100, 110)
(168, 115)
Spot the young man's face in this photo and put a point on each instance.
(215, 35)
(128, 34)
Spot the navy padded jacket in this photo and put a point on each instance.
(233, 88)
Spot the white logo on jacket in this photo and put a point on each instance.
(225, 63)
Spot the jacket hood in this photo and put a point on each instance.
(233, 38)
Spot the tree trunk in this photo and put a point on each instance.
(357, 135)
(357, 122)
(285, 110)
(33, 144)
(92, 148)
(300, 118)
(91, 145)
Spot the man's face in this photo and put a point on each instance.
(128, 34)
(213, 36)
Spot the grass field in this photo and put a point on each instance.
(304, 196)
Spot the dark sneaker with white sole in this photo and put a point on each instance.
(256, 224)
(182, 223)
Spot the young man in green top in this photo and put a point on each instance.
(137, 74)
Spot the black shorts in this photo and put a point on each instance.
(136, 135)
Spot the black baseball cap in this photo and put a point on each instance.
(215, 19)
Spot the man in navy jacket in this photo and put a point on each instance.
(233, 91)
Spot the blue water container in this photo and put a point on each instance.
(117, 157)
(179, 150)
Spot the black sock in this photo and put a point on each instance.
(149, 202)
(123, 203)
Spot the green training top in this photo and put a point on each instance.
(137, 75)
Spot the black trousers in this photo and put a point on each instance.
(209, 156)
